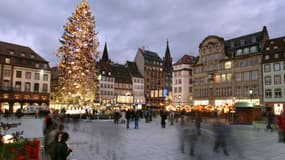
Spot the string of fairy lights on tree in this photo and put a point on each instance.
(78, 54)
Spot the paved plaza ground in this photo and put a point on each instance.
(103, 140)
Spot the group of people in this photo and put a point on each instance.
(55, 139)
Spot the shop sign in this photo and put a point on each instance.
(278, 108)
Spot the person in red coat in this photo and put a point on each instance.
(280, 121)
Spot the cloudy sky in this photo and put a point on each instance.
(127, 25)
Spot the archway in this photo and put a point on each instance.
(16, 106)
(4, 106)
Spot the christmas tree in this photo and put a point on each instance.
(78, 53)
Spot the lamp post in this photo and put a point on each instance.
(250, 94)
(179, 100)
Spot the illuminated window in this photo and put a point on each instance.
(224, 77)
(7, 60)
(228, 65)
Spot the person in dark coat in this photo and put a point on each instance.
(61, 149)
(136, 118)
(270, 120)
(163, 116)
(128, 118)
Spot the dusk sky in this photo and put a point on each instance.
(127, 25)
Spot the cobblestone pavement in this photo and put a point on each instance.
(103, 140)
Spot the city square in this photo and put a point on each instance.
(142, 80)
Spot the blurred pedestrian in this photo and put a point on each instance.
(188, 137)
(136, 118)
(171, 117)
(280, 121)
(198, 121)
(62, 150)
(221, 133)
(270, 120)
(163, 117)
(117, 116)
(128, 118)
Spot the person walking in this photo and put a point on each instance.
(171, 117)
(198, 121)
(270, 120)
(280, 121)
(136, 118)
(163, 117)
(221, 132)
(128, 118)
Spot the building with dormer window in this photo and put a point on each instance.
(24, 77)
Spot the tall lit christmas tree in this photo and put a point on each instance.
(78, 53)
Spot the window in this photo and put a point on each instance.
(242, 42)
(228, 65)
(267, 80)
(267, 57)
(275, 47)
(37, 65)
(27, 87)
(45, 88)
(276, 55)
(224, 77)
(268, 93)
(253, 49)
(32, 56)
(254, 75)
(45, 77)
(11, 52)
(45, 66)
(7, 60)
(18, 74)
(6, 84)
(238, 76)
(7, 72)
(267, 68)
(190, 81)
(18, 86)
(278, 93)
(277, 67)
(277, 79)
(239, 52)
(36, 87)
(37, 76)
(246, 50)
(28, 75)
(253, 39)
(190, 89)
(267, 48)
(23, 54)
(246, 76)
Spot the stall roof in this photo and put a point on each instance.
(244, 105)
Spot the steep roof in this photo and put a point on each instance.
(105, 69)
(186, 59)
(276, 44)
(121, 74)
(6, 48)
(149, 55)
(133, 69)
(253, 39)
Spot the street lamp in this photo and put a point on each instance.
(179, 99)
(250, 94)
